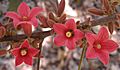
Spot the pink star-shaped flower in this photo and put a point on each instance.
(67, 34)
(25, 17)
(100, 45)
(24, 53)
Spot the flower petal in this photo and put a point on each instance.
(59, 40)
(12, 15)
(18, 61)
(91, 38)
(25, 44)
(23, 9)
(34, 12)
(32, 51)
(78, 34)
(103, 34)
(59, 28)
(103, 56)
(16, 22)
(70, 24)
(34, 22)
(109, 45)
(15, 51)
(70, 44)
(27, 28)
(90, 53)
(28, 60)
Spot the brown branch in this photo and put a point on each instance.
(102, 21)
(39, 34)
(42, 35)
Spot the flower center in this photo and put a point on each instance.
(98, 46)
(25, 18)
(68, 34)
(23, 52)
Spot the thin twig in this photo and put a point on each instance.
(39, 55)
(83, 54)
(101, 21)
(38, 62)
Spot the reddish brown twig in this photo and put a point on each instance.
(42, 35)
(101, 21)
(38, 34)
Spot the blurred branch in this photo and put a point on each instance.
(39, 34)
(101, 21)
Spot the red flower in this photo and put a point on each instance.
(67, 34)
(100, 45)
(25, 17)
(24, 53)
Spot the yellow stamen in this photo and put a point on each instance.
(99, 46)
(23, 52)
(68, 34)
(24, 18)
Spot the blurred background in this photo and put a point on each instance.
(60, 58)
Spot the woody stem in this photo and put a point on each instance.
(42, 35)
(38, 62)
(83, 54)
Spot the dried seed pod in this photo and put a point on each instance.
(61, 7)
(50, 22)
(117, 1)
(62, 18)
(118, 16)
(2, 31)
(117, 24)
(111, 27)
(51, 16)
(106, 5)
(35, 43)
(96, 11)
(114, 4)
(43, 19)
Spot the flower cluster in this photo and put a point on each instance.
(67, 34)
(99, 46)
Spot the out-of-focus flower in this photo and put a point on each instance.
(100, 45)
(25, 17)
(67, 34)
(24, 53)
